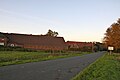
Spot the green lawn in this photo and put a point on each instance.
(18, 57)
(105, 68)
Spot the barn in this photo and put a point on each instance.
(29, 41)
(82, 46)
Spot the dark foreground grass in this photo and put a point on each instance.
(17, 57)
(105, 68)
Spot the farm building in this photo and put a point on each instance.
(81, 46)
(29, 41)
(3, 39)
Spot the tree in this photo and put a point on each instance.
(112, 35)
(99, 46)
(52, 33)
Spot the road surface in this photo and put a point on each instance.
(59, 69)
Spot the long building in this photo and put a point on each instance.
(37, 42)
(81, 46)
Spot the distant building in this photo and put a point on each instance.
(3, 39)
(80, 46)
(37, 42)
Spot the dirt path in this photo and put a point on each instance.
(60, 69)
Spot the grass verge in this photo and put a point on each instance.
(18, 57)
(105, 68)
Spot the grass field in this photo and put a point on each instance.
(18, 57)
(105, 68)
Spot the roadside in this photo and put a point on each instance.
(105, 68)
(20, 57)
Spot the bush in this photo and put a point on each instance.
(117, 51)
(9, 48)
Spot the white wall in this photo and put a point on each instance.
(1, 43)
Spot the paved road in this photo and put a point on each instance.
(60, 69)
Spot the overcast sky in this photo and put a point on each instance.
(75, 20)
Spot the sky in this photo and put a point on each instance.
(75, 20)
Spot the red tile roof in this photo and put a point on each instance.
(36, 41)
